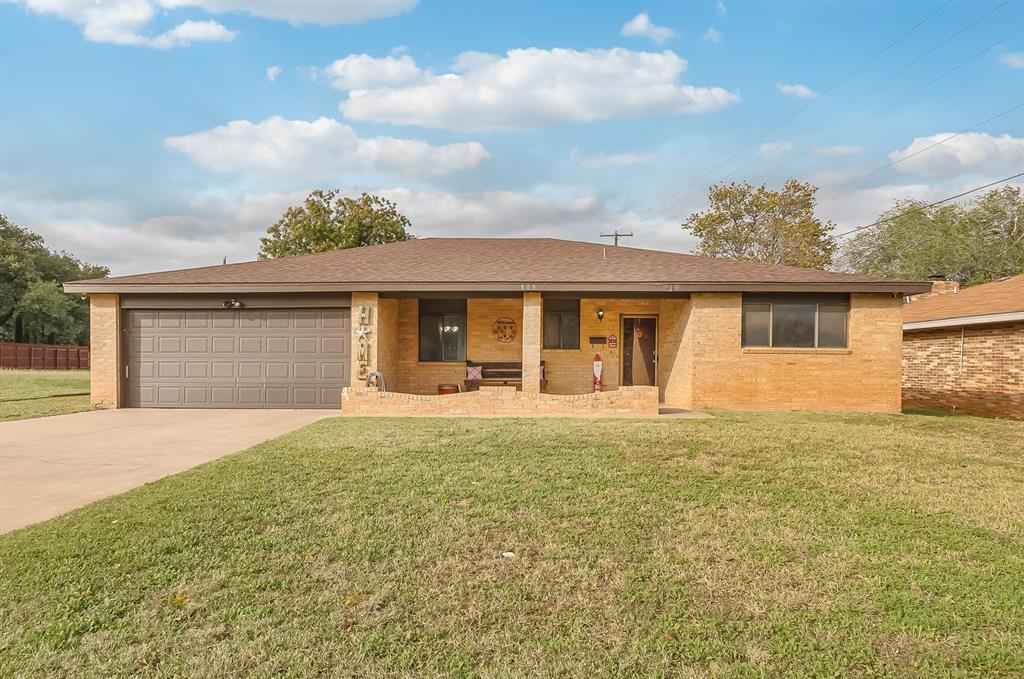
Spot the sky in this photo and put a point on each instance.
(158, 134)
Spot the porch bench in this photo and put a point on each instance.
(500, 374)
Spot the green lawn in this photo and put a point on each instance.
(40, 392)
(743, 546)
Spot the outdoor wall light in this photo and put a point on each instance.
(600, 314)
(231, 304)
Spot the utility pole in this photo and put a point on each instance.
(616, 236)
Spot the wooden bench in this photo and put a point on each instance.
(500, 374)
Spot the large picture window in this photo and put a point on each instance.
(561, 324)
(442, 330)
(807, 321)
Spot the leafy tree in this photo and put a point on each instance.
(33, 308)
(973, 243)
(775, 227)
(330, 221)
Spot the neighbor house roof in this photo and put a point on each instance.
(498, 264)
(995, 302)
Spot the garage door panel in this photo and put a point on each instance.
(237, 359)
(278, 345)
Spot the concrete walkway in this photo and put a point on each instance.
(51, 465)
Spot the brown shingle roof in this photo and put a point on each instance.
(510, 261)
(998, 297)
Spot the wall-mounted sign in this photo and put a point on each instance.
(598, 340)
(504, 330)
(613, 342)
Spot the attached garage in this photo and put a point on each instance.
(235, 358)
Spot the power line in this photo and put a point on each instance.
(920, 151)
(803, 108)
(925, 207)
(855, 125)
(616, 235)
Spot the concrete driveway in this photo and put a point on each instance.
(51, 465)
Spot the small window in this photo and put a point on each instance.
(561, 324)
(795, 320)
(832, 325)
(442, 329)
(757, 325)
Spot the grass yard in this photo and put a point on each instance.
(37, 393)
(745, 546)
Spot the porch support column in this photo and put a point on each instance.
(364, 336)
(533, 323)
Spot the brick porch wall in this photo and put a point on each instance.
(501, 401)
(990, 380)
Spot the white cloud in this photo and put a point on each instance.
(641, 26)
(599, 160)
(299, 12)
(189, 32)
(125, 22)
(796, 90)
(713, 35)
(321, 149)
(273, 72)
(720, 8)
(772, 147)
(837, 151)
(973, 152)
(468, 60)
(122, 22)
(532, 87)
(1012, 59)
(361, 71)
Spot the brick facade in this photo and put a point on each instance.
(863, 377)
(105, 350)
(973, 369)
(701, 363)
(501, 401)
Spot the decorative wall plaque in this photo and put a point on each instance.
(504, 330)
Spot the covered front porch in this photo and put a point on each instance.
(528, 353)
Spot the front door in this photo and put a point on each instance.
(639, 351)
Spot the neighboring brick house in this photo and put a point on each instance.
(963, 350)
(513, 324)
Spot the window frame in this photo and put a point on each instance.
(435, 308)
(561, 312)
(818, 300)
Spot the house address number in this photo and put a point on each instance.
(528, 286)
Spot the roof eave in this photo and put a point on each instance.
(111, 286)
(957, 321)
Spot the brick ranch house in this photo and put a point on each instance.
(512, 324)
(964, 349)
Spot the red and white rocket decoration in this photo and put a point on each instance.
(597, 373)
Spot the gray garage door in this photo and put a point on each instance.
(273, 358)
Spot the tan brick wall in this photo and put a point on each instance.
(675, 374)
(412, 376)
(865, 377)
(387, 337)
(104, 350)
(481, 345)
(502, 401)
(570, 371)
(986, 378)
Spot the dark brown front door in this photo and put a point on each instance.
(639, 351)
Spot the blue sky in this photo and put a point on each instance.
(155, 134)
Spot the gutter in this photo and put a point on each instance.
(1007, 317)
